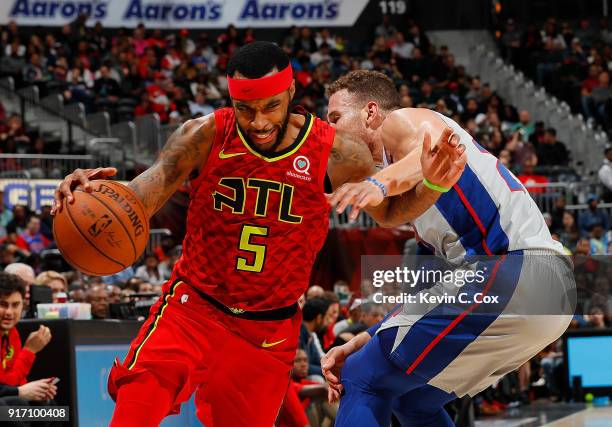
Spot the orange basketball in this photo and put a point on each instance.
(102, 232)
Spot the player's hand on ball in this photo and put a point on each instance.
(443, 163)
(78, 177)
(359, 194)
(331, 364)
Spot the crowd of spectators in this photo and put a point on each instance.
(180, 75)
(586, 233)
(571, 59)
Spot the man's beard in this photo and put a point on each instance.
(279, 137)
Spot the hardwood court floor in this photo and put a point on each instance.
(590, 417)
(552, 415)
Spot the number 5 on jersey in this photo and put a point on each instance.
(258, 250)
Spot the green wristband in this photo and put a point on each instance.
(435, 187)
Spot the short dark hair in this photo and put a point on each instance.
(257, 59)
(11, 283)
(368, 86)
(331, 297)
(551, 131)
(313, 307)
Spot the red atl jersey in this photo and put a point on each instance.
(256, 221)
(16, 361)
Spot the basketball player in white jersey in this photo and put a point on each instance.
(424, 353)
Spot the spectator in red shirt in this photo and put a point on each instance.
(32, 239)
(156, 40)
(305, 403)
(164, 250)
(229, 40)
(11, 133)
(158, 94)
(144, 107)
(16, 361)
(529, 178)
(139, 43)
(592, 81)
(171, 60)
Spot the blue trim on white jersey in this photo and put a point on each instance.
(459, 218)
(467, 330)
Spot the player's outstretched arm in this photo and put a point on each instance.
(186, 150)
(350, 162)
(441, 167)
(408, 169)
(441, 164)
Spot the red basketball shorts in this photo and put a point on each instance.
(238, 368)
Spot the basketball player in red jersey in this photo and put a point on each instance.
(227, 323)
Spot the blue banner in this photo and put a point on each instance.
(185, 13)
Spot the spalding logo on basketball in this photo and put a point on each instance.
(102, 232)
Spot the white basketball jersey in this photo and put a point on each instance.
(487, 212)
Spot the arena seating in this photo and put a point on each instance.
(53, 118)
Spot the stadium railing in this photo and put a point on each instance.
(45, 166)
(56, 166)
(68, 126)
(148, 137)
(155, 237)
(583, 139)
(545, 194)
(49, 115)
(126, 132)
(30, 179)
(578, 209)
(99, 123)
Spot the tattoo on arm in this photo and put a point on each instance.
(350, 160)
(184, 151)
